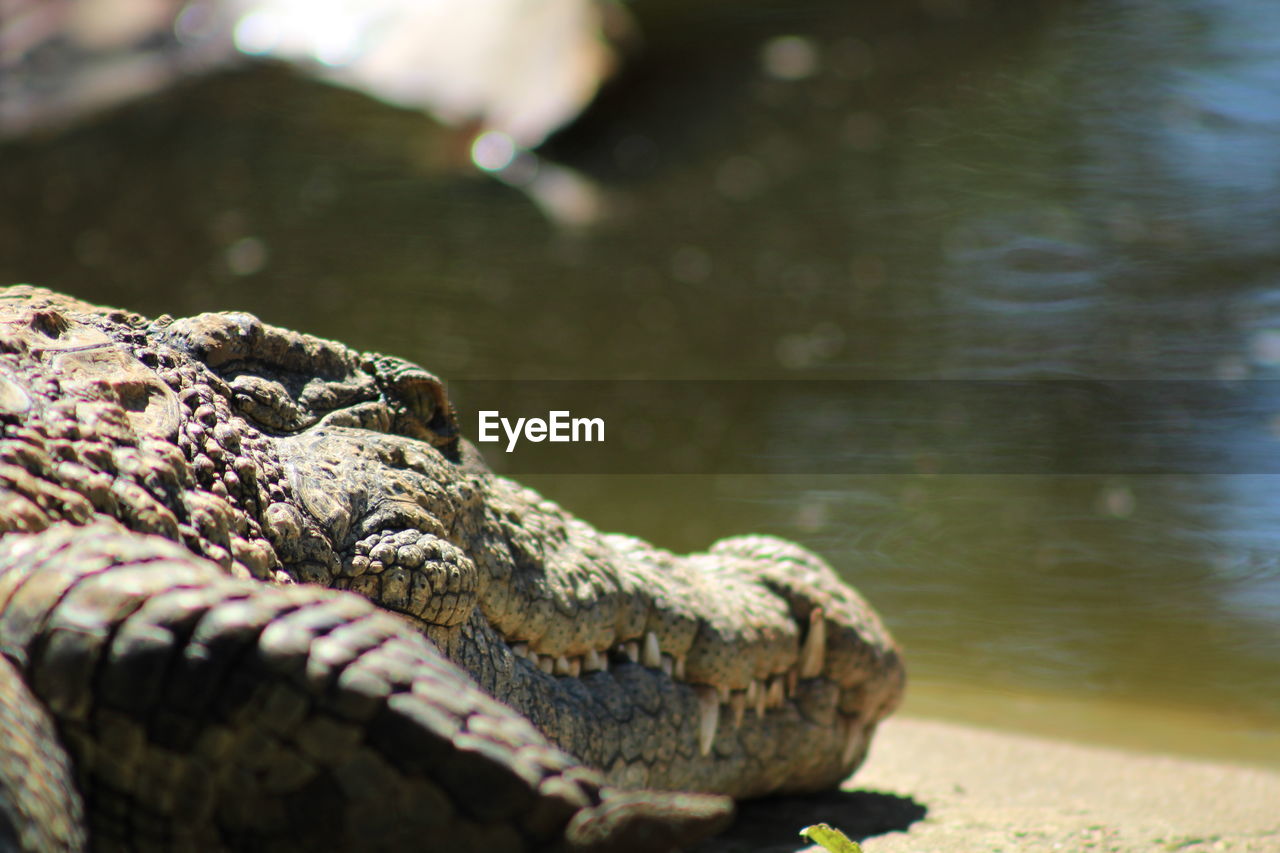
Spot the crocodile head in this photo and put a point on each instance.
(748, 669)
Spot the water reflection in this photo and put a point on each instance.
(1137, 238)
(1048, 192)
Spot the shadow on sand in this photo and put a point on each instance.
(773, 825)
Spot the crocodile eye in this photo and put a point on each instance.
(419, 405)
(421, 395)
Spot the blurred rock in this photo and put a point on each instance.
(517, 67)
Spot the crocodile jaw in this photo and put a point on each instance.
(748, 669)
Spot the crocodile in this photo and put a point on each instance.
(258, 592)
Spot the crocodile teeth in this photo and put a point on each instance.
(561, 666)
(545, 663)
(775, 696)
(668, 665)
(815, 645)
(755, 697)
(852, 738)
(520, 650)
(632, 650)
(679, 669)
(652, 656)
(738, 705)
(593, 661)
(708, 717)
(575, 667)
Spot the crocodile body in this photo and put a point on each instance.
(269, 598)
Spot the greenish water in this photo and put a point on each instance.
(1075, 190)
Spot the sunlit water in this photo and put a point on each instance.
(1065, 193)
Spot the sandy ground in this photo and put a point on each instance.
(933, 787)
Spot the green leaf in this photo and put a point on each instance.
(830, 838)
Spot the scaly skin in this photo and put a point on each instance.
(211, 693)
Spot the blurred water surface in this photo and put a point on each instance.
(795, 191)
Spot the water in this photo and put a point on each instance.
(1083, 191)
